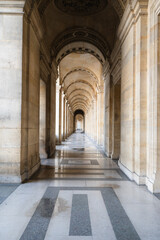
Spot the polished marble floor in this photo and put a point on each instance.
(78, 195)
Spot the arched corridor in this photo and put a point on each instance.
(79, 119)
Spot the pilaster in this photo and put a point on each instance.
(11, 43)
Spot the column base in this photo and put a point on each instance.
(140, 180)
(153, 185)
(107, 154)
(27, 175)
(114, 157)
(10, 179)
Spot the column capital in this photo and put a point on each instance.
(9, 7)
(100, 89)
(106, 69)
(58, 87)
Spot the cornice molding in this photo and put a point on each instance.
(125, 24)
(37, 24)
(33, 18)
(133, 11)
(118, 7)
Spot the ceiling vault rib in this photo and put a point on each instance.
(92, 74)
(80, 81)
(83, 90)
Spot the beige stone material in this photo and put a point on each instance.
(11, 41)
(105, 65)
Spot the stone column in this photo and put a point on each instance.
(64, 117)
(42, 130)
(100, 114)
(66, 125)
(52, 110)
(140, 103)
(116, 121)
(108, 115)
(95, 119)
(153, 98)
(58, 101)
(92, 119)
(60, 115)
(67, 120)
(11, 40)
(86, 123)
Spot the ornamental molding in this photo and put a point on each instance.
(80, 7)
(100, 89)
(118, 7)
(80, 34)
(83, 7)
(134, 9)
(92, 74)
(79, 81)
(32, 16)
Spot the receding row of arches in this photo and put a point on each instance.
(103, 61)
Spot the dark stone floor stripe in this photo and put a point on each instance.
(122, 226)
(157, 195)
(6, 190)
(80, 224)
(38, 225)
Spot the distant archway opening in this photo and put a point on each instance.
(79, 121)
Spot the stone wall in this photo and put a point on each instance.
(30, 161)
(153, 97)
(138, 47)
(36, 66)
(24, 60)
(11, 41)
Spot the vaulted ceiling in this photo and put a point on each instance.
(80, 35)
(80, 76)
(70, 20)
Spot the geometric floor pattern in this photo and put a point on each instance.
(78, 195)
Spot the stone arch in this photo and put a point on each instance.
(91, 73)
(80, 96)
(80, 81)
(80, 90)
